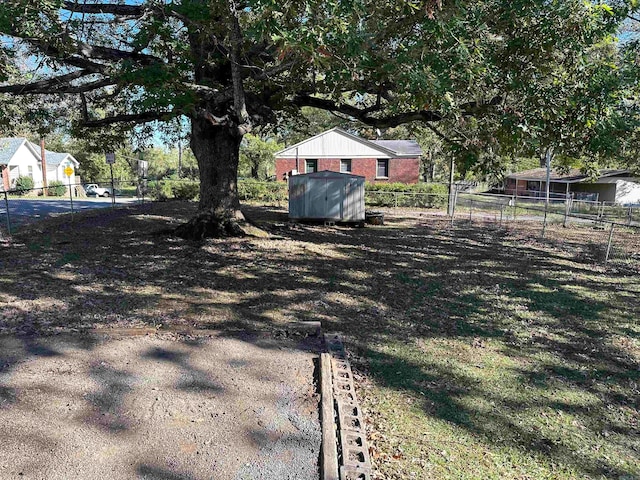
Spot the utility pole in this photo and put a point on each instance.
(452, 167)
(43, 159)
(179, 159)
(548, 155)
(547, 160)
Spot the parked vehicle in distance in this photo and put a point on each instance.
(98, 191)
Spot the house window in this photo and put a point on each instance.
(533, 186)
(383, 169)
(311, 166)
(345, 166)
(30, 171)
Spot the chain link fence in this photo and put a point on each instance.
(597, 231)
(603, 232)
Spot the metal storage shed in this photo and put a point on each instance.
(326, 195)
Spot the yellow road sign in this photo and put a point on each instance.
(68, 171)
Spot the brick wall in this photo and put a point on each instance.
(283, 166)
(365, 167)
(405, 170)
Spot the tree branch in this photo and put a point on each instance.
(105, 8)
(442, 136)
(120, 10)
(85, 87)
(130, 118)
(239, 101)
(364, 114)
(43, 86)
(107, 53)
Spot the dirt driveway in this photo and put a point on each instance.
(157, 407)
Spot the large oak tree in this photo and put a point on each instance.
(231, 65)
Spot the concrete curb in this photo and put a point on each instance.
(329, 439)
(353, 450)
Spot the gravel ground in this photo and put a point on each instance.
(150, 407)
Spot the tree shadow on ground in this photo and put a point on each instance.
(555, 316)
(192, 378)
(151, 472)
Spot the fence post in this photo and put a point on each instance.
(71, 197)
(606, 258)
(544, 222)
(113, 188)
(453, 204)
(513, 202)
(567, 209)
(6, 203)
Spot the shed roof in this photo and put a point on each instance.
(327, 174)
(572, 176)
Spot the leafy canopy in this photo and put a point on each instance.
(510, 70)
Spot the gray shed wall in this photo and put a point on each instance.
(326, 196)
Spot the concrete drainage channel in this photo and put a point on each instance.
(345, 453)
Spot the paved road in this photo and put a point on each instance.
(25, 210)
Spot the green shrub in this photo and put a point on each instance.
(160, 190)
(418, 195)
(185, 190)
(433, 188)
(56, 189)
(265, 192)
(24, 185)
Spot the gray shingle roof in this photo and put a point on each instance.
(401, 147)
(54, 158)
(8, 148)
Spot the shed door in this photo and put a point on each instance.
(316, 198)
(334, 199)
(351, 200)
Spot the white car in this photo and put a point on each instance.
(98, 191)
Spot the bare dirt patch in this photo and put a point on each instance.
(157, 407)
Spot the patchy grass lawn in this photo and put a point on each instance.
(480, 352)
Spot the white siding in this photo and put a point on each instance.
(63, 177)
(52, 173)
(56, 172)
(627, 192)
(333, 144)
(23, 159)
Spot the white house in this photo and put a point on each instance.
(56, 163)
(21, 158)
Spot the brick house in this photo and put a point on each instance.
(339, 151)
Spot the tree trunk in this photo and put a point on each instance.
(255, 171)
(216, 147)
